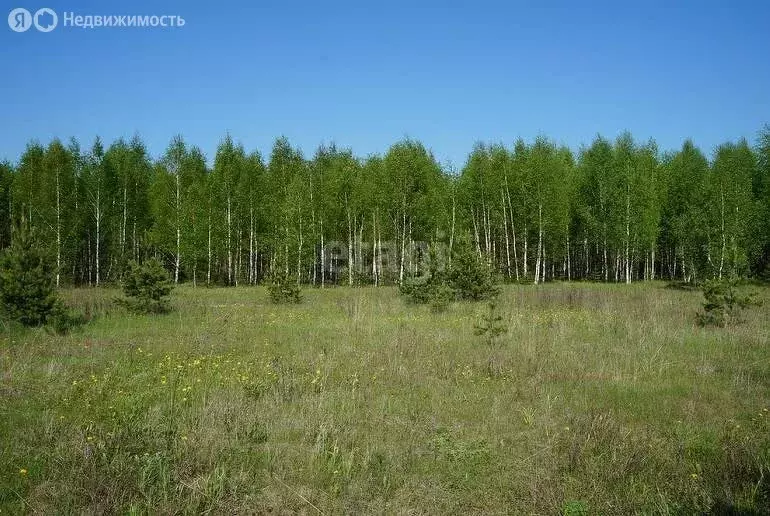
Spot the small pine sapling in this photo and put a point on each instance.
(723, 303)
(283, 288)
(491, 325)
(147, 288)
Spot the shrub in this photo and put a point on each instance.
(416, 290)
(441, 296)
(147, 288)
(433, 288)
(27, 287)
(723, 303)
(491, 325)
(423, 291)
(469, 276)
(361, 279)
(283, 288)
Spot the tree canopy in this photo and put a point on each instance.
(536, 211)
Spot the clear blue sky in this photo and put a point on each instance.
(365, 74)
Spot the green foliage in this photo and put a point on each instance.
(27, 285)
(416, 290)
(441, 297)
(63, 319)
(469, 276)
(618, 210)
(491, 325)
(178, 203)
(421, 291)
(433, 288)
(147, 288)
(684, 222)
(729, 207)
(724, 303)
(575, 508)
(283, 289)
(6, 199)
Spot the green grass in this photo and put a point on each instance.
(600, 399)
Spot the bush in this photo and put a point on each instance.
(147, 288)
(421, 291)
(441, 296)
(433, 288)
(283, 288)
(27, 287)
(469, 276)
(723, 304)
(491, 325)
(416, 290)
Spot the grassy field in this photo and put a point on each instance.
(600, 399)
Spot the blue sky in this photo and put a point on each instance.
(366, 74)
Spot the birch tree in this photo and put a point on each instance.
(97, 202)
(759, 245)
(58, 191)
(27, 186)
(684, 237)
(228, 166)
(730, 207)
(622, 211)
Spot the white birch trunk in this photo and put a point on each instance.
(452, 231)
(513, 229)
(58, 229)
(98, 230)
(374, 250)
(526, 251)
(208, 270)
(178, 232)
(351, 237)
(724, 238)
(539, 243)
(628, 235)
(652, 263)
(507, 243)
(229, 248)
(403, 245)
(251, 275)
(476, 234)
(125, 220)
(299, 252)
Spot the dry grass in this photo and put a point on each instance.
(606, 398)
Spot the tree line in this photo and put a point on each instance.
(616, 211)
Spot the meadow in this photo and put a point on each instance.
(600, 399)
